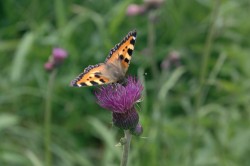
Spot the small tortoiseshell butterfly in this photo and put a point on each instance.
(113, 69)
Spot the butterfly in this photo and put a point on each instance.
(114, 67)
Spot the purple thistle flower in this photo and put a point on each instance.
(118, 98)
(135, 9)
(121, 101)
(59, 54)
(57, 57)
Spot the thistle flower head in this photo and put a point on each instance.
(146, 6)
(135, 9)
(119, 98)
(57, 57)
(59, 54)
(121, 101)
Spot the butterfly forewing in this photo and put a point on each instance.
(123, 51)
(119, 58)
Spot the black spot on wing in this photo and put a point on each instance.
(126, 60)
(93, 83)
(74, 82)
(117, 46)
(121, 57)
(86, 70)
(132, 41)
(101, 80)
(83, 84)
(97, 76)
(130, 52)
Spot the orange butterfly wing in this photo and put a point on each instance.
(98, 74)
(92, 75)
(123, 51)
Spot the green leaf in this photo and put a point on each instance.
(20, 56)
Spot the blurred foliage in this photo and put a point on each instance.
(194, 113)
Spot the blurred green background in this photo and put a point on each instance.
(192, 57)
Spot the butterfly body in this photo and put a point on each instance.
(113, 69)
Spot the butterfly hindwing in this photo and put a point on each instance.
(113, 69)
(92, 75)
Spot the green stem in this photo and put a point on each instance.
(151, 43)
(202, 82)
(206, 56)
(47, 119)
(126, 148)
(60, 13)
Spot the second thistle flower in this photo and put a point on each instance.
(57, 57)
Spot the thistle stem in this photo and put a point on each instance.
(126, 148)
(47, 119)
